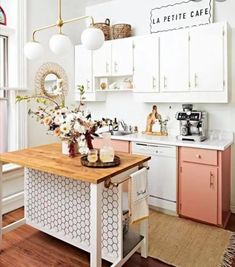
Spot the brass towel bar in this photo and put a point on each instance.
(108, 182)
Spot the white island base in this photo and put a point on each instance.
(83, 214)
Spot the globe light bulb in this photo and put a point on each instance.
(33, 50)
(60, 44)
(92, 38)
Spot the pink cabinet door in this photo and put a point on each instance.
(118, 145)
(198, 192)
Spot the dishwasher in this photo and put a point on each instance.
(162, 173)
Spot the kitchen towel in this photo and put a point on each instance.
(138, 185)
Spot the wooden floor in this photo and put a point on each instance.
(27, 247)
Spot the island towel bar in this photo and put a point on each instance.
(108, 183)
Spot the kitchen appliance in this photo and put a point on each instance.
(193, 124)
(161, 175)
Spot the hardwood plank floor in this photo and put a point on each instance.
(28, 247)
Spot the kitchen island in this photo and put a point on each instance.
(75, 204)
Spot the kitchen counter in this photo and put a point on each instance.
(171, 140)
(48, 158)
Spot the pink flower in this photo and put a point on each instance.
(57, 132)
(47, 120)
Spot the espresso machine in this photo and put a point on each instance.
(193, 124)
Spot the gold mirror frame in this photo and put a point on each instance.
(43, 71)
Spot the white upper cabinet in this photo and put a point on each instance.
(122, 57)
(146, 64)
(207, 58)
(114, 58)
(188, 65)
(84, 74)
(102, 64)
(174, 61)
(83, 67)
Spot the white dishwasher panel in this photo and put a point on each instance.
(162, 173)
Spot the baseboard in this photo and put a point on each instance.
(166, 211)
(12, 202)
(232, 207)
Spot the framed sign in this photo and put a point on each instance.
(181, 15)
(3, 19)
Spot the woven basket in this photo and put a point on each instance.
(105, 27)
(121, 31)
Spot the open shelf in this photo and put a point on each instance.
(115, 90)
(130, 241)
(114, 84)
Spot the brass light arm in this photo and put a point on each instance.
(41, 29)
(34, 49)
(80, 18)
(60, 23)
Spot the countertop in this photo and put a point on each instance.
(216, 144)
(48, 158)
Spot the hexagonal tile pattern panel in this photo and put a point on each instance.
(110, 221)
(62, 205)
(59, 204)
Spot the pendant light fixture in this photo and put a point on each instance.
(92, 38)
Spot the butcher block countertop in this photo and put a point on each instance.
(48, 158)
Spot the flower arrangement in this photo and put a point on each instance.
(73, 126)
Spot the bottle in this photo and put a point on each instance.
(106, 151)
(115, 125)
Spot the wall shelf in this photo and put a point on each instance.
(115, 90)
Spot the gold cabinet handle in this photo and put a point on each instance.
(195, 80)
(198, 156)
(154, 82)
(211, 179)
(164, 82)
(107, 67)
(115, 66)
(88, 84)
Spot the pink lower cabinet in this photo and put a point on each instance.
(118, 145)
(204, 184)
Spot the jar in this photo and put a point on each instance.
(106, 151)
(92, 155)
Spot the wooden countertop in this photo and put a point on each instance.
(48, 158)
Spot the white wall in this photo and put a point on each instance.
(42, 13)
(122, 105)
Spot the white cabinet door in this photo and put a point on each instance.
(146, 64)
(102, 61)
(122, 57)
(83, 67)
(207, 58)
(174, 61)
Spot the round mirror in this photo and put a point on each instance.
(51, 81)
(52, 84)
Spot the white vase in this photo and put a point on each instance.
(65, 147)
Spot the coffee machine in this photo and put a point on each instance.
(193, 124)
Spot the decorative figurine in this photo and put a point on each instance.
(155, 117)
(151, 119)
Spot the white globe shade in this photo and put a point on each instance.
(60, 44)
(33, 50)
(92, 38)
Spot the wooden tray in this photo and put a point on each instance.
(100, 164)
